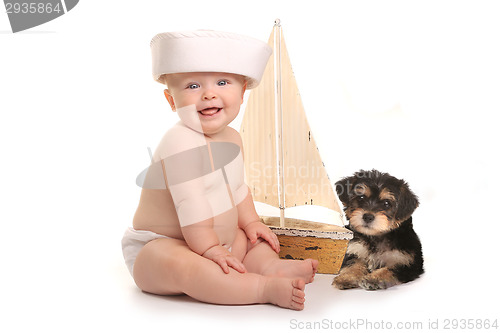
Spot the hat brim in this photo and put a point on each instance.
(209, 51)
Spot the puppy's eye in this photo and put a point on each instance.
(387, 204)
(362, 197)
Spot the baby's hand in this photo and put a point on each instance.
(258, 229)
(221, 256)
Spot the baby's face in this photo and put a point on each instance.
(215, 97)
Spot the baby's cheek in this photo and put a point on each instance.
(189, 117)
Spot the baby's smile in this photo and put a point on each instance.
(209, 112)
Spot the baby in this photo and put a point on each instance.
(196, 231)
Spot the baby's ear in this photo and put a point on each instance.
(243, 91)
(407, 203)
(344, 188)
(170, 99)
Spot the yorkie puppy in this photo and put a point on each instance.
(385, 250)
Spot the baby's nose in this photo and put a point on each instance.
(208, 95)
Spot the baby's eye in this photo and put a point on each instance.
(193, 86)
(222, 83)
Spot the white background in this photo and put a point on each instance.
(411, 88)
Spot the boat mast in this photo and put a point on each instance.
(279, 119)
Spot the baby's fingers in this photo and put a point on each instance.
(252, 236)
(221, 261)
(276, 243)
(236, 264)
(272, 239)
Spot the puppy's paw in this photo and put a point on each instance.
(369, 283)
(380, 279)
(345, 282)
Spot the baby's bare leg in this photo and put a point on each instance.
(262, 259)
(168, 266)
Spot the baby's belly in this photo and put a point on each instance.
(226, 225)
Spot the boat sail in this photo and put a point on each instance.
(283, 165)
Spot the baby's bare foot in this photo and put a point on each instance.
(285, 292)
(302, 269)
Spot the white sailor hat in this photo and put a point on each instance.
(209, 51)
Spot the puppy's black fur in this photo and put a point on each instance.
(385, 250)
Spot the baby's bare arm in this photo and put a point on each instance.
(249, 221)
(202, 239)
(200, 236)
(246, 212)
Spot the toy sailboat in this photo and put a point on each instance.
(284, 168)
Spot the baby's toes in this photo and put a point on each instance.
(299, 285)
(298, 294)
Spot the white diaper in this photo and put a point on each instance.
(133, 241)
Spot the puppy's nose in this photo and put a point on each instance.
(368, 218)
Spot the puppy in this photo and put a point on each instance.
(385, 250)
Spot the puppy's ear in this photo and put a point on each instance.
(407, 203)
(344, 189)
